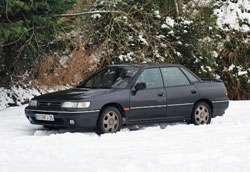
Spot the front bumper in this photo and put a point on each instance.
(82, 119)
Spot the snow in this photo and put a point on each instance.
(203, 69)
(163, 26)
(64, 59)
(171, 32)
(215, 54)
(170, 21)
(160, 36)
(240, 73)
(240, 70)
(187, 22)
(157, 14)
(231, 13)
(200, 3)
(222, 146)
(96, 16)
(163, 45)
(127, 57)
(143, 40)
(16, 95)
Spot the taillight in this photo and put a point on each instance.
(226, 90)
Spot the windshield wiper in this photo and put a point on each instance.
(81, 86)
(103, 87)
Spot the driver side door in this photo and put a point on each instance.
(149, 103)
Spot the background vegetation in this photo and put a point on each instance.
(63, 41)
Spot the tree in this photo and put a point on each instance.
(170, 7)
(27, 29)
(134, 32)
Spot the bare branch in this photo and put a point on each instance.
(6, 10)
(3, 45)
(83, 13)
(10, 43)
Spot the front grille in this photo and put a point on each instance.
(49, 104)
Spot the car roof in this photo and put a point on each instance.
(145, 65)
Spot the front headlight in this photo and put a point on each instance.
(75, 104)
(33, 103)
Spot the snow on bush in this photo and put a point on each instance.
(16, 96)
(234, 15)
(170, 21)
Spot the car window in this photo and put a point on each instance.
(111, 77)
(152, 78)
(190, 76)
(172, 76)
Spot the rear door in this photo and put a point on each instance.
(180, 92)
(149, 103)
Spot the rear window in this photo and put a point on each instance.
(173, 76)
(190, 76)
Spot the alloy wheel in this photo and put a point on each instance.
(110, 122)
(201, 115)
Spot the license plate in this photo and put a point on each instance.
(44, 117)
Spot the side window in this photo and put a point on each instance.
(172, 76)
(152, 78)
(190, 76)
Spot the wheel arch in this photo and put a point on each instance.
(209, 102)
(98, 128)
(117, 105)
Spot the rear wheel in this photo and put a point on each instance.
(201, 114)
(110, 121)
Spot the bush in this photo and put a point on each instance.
(27, 29)
(135, 32)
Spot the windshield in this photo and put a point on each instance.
(111, 77)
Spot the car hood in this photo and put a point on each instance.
(73, 94)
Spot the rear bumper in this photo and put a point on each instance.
(82, 119)
(219, 107)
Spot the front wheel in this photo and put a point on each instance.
(201, 114)
(110, 121)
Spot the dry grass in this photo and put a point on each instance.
(81, 63)
(79, 66)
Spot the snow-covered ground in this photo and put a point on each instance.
(223, 146)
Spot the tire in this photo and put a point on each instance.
(201, 114)
(110, 121)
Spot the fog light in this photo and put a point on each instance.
(72, 122)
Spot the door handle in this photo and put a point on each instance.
(160, 94)
(193, 91)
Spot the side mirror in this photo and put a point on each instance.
(79, 85)
(140, 86)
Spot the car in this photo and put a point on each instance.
(133, 94)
